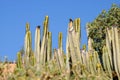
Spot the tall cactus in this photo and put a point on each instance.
(27, 44)
(44, 42)
(106, 61)
(79, 29)
(72, 49)
(108, 45)
(79, 64)
(68, 59)
(74, 42)
(60, 51)
(77, 38)
(116, 48)
(49, 47)
(37, 46)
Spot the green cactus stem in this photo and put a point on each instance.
(68, 62)
(27, 46)
(79, 30)
(19, 60)
(75, 25)
(49, 47)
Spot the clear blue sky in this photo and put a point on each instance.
(15, 13)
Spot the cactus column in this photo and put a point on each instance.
(44, 42)
(60, 40)
(27, 44)
(19, 60)
(115, 49)
(49, 47)
(37, 46)
(60, 51)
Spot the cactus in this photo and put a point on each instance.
(91, 65)
(61, 59)
(115, 49)
(77, 38)
(60, 41)
(72, 49)
(75, 25)
(56, 58)
(45, 24)
(73, 39)
(79, 30)
(68, 63)
(44, 42)
(19, 60)
(27, 45)
(79, 65)
(27, 27)
(37, 47)
(106, 61)
(109, 47)
(49, 47)
(60, 50)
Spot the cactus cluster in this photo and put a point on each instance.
(111, 52)
(45, 63)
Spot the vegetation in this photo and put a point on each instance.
(75, 64)
(97, 28)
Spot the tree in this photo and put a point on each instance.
(97, 28)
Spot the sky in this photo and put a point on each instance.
(14, 14)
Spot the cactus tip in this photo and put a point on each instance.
(38, 26)
(70, 20)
